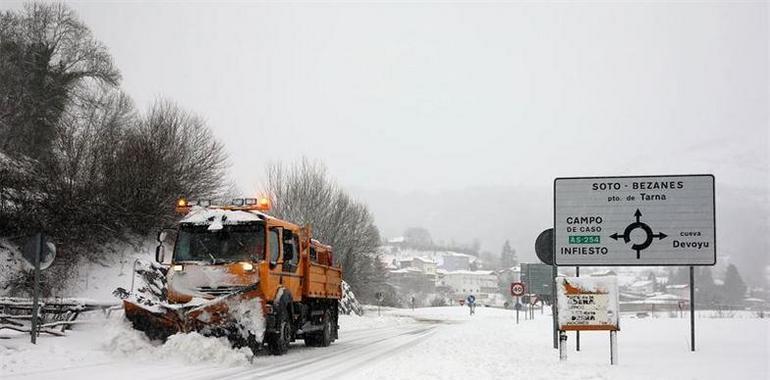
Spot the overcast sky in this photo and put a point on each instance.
(436, 96)
(419, 108)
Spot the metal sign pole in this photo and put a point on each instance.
(517, 309)
(692, 308)
(562, 345)
(613, 347)
(36, 294)
(554, 309)
(531, 309)
(577, 333)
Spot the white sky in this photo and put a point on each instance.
(435, 96)
(419, 107)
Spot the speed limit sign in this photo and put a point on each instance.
(517, 289)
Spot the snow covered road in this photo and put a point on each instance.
(430, 343)
(367, 341)
(350, 355)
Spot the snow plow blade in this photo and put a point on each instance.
(219, 317)
(159, 323)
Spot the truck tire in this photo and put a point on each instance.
(326, 336)
(278, 342)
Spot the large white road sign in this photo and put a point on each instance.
(651, 220)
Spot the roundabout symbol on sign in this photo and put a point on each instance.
(649, 235)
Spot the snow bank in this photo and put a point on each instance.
(249, 315)
(122, 340)
(490, 345)
(194, 348)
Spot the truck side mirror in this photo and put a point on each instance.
(160, 253)
(162, 236)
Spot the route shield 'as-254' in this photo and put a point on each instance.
(660, 220)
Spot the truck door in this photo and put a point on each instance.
(291, 277)
(290, 251)
(273, 257)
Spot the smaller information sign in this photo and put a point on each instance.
(537, 278)
(588, 303)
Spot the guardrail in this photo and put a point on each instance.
(56, 315)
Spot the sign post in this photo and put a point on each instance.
(532, 302)
(692, 309)
(39, 254)
(36, 295)
(577, 333)
(545, 252)
(517, 290)
(554, 308)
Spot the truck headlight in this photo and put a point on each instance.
(178, 267)
(247, 267)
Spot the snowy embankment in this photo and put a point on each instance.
(115, 345)
(487, 345)
(93, 280)
(491, 345)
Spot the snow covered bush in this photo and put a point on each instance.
(349, 304)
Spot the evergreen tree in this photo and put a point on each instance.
(680, 276)
(507, 256)
(705, 288)
(735, 288)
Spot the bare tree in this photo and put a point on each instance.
(77, 161)
(80, 183)
(46, 53)
(171, 153)
(304, 193)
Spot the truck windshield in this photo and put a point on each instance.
(231, 243)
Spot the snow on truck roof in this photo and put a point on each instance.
(215, 218)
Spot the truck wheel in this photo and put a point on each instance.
(278, 342)
(325, 338)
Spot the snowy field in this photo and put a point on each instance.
(430, 343)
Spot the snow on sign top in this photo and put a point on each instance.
(588, 303)
(634, 221)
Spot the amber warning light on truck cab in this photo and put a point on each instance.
(260, 204)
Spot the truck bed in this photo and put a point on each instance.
(323, 281)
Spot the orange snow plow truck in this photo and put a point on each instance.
(240, 273)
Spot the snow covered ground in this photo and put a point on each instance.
(430, 343)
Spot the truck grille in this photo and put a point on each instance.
(220, 290)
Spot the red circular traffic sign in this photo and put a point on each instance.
(517, 289)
